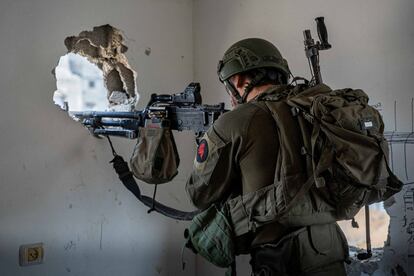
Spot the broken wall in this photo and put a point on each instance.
(104, 46)
(371, 49)
(57, 186)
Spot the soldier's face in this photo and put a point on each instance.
(231, 89)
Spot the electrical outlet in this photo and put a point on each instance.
(31, 254)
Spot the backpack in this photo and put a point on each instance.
(333, 160)
(347, 148)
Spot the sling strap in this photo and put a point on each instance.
(125, 175)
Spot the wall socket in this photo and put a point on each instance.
(31, 254)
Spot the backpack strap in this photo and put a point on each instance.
(241, 208)
(287, 191)
(272, 217)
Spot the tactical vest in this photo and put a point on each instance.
(319, 177)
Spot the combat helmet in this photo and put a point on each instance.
(246, 55)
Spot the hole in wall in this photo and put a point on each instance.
(80, 85)
(379, 221)
(356, 237)
(95, 74)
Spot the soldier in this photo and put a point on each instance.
(240, 155)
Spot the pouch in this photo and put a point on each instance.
(210, 235)
(155, 159)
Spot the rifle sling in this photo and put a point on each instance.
(129, 182)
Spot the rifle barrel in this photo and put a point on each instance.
(108, 114)
(132, 124)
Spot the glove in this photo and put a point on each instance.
(120, 166)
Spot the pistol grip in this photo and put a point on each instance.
(322, 33)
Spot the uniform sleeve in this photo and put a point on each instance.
(213, 171)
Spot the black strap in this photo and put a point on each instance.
(394, 184)
(125, 175)
(366, 255)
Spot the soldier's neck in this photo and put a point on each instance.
(257, 91)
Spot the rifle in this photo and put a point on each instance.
(312, 49)
(181, 111)
(312, 53)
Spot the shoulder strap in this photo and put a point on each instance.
(302, 191)
(285, 192)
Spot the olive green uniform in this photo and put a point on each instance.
(239, 155)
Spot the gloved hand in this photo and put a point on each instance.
(120, 166)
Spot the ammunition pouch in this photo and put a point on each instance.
(210, 234)
(155, 158)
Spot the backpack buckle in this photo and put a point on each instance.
(252, 223)
(295, 111)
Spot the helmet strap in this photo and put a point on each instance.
(230, 87)
(247, 91)
(261, 73)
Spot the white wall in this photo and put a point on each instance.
(372, 49)
(57, 186)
